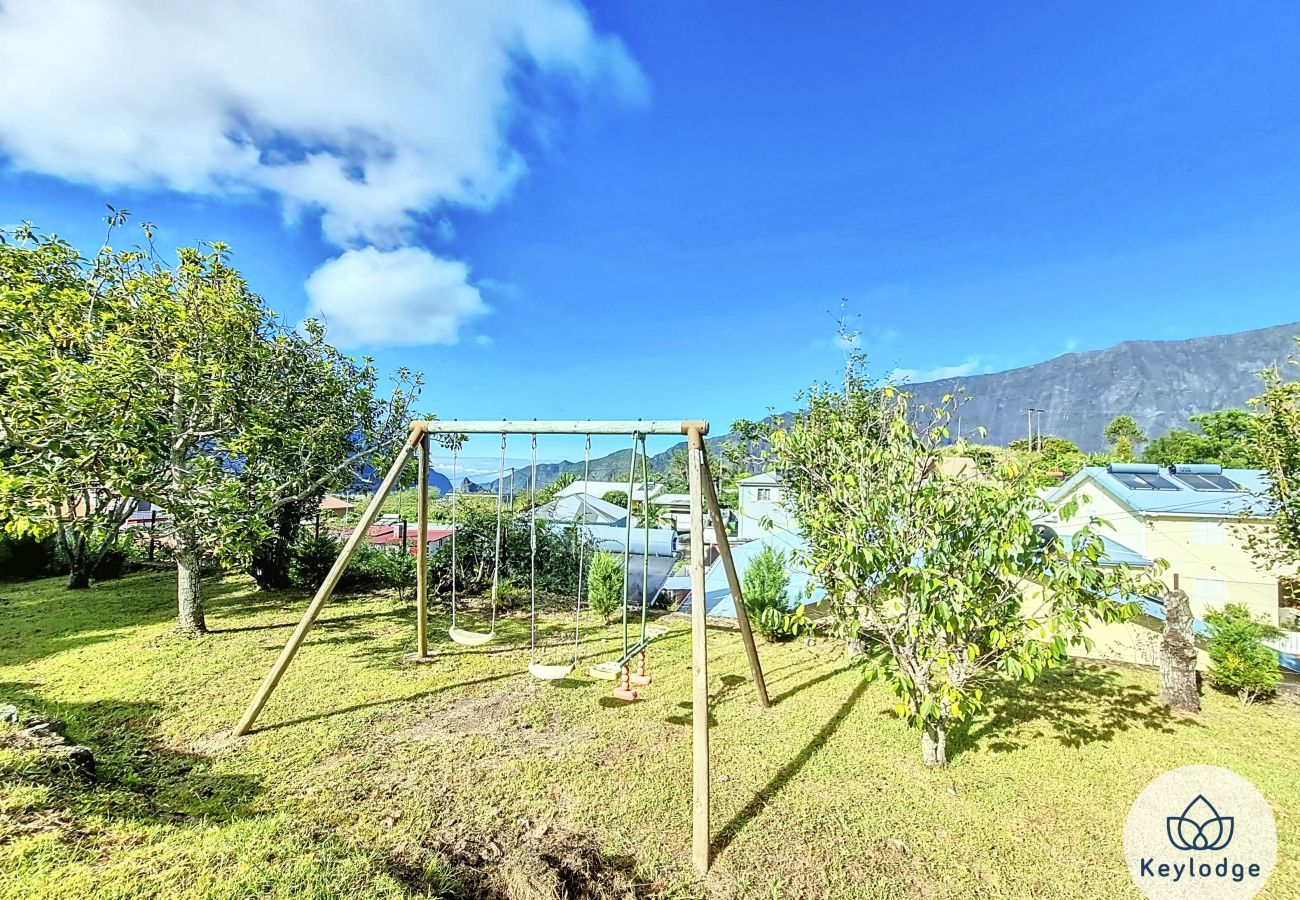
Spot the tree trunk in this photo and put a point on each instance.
(854, 647)
(1179, 685)
(74, 554)
(189, 594)
(934, 746)
(273, 557)
(78, 577)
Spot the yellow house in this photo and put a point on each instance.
(1197, 518)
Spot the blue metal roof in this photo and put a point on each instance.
(1114, 553)
(718, 599)
(793, 545)
(1154, 608)
(1181, 500)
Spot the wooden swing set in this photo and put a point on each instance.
(620, 669)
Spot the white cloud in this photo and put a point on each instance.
(484, 340)
(847, 340)
(378, 116)
(373, 113)
(918, 376)
(402, 297)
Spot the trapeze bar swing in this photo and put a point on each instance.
(701, 492)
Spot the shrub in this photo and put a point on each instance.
(311, 561)
(767, 602)
(1240, 661)
(557, 552)
(375, 568)
(512, 593)
(605, 585)
(26, 557)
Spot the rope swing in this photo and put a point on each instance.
(537, 669)
(461, 635)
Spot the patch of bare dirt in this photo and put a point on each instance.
(532, 863)
(506, 717)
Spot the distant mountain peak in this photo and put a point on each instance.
(1161, 383)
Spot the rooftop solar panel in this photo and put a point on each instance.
(1199, 482)
(1144, 482)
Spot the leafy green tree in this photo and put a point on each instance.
(617, 498)
(948, 578)
(605, 585)
(74, 450)
(768, 604)
(1051, 459)
(1123, 434)
(547, 494)
(1240, 661)
(1276, 441)
(324, 422)
(1224, 437)
(676, 474)
(651, 512)
(180, 388)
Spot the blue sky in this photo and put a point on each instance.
(653, 210)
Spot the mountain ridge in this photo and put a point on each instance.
(1161, 383)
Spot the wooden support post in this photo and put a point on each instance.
(327, 588)
(700, 837)
(733, 581)
(422, 554)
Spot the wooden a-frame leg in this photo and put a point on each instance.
(700, 837)
(325, 591)
(733, 582)
(422, 555)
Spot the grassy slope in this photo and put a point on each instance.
(362, 763)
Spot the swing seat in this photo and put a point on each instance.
(628, 695)
(639, 680)
(470, 638)
(549, 673)
(608, 671)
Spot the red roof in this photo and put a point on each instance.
(383, 535)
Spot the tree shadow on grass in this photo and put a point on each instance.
(137, 776)
(729, 685)
(373, 704)
(787, 772)
(1075, 705)
(40, 619)
(810, 683)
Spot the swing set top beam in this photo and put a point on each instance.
(568, 426)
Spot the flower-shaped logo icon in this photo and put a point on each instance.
(1200, 827)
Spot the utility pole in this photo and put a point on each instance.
(1029, 421)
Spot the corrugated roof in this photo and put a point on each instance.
(601, 488)
(718, 599)
(579, 508)
(1181, 500)
(1115, 553)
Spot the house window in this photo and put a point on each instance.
(1210, 591)
(1209, 533)
(763, 494)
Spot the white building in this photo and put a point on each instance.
(601, 488)
(761, 510)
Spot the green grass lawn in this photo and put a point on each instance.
(368, 777)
